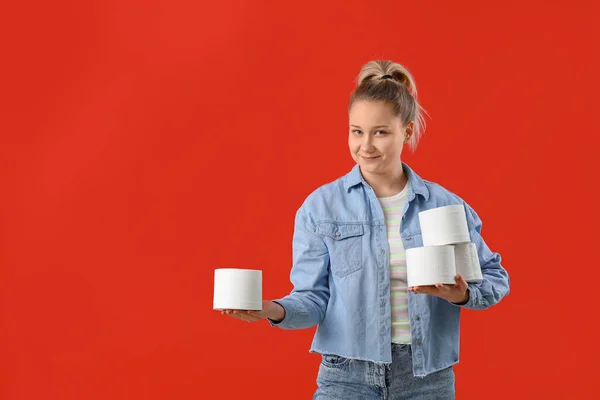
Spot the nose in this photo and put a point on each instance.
(367, 143)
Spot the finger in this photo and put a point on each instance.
(236, 316)
(446, 291)
(234, 313)
(443, 289)
(242, 315)
(249, 315)
(461, 283)
(426, 289)
(255, 314)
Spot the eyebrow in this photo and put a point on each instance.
(376, 126)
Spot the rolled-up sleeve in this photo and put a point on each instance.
(305, 306)
(496, 282)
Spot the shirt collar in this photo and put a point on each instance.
(417, 185)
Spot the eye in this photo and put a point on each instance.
(356, 131)
(380, 133)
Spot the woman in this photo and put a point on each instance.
(378, 338)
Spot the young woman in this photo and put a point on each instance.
(379, 338)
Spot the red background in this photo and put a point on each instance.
(144, 144)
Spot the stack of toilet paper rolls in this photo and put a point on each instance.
(447, 249)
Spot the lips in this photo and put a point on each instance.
(370, 158)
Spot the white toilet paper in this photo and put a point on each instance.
(430, 265)
(237, 289)
(467, 262)
(444, 225)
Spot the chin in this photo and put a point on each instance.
(369, 167)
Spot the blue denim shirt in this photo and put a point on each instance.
(341, 275)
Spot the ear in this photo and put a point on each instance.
(408, 132)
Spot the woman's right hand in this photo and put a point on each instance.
(270, 310)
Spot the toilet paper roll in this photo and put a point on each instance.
(430, 265)
(444, 225)
(237, 289)
(467, 262)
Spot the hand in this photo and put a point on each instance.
(456, 293)
(270, 310)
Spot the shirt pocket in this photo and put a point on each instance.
(412, 239)
(344, 242)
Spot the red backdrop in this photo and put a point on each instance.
(144, 144)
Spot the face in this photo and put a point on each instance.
(377, 137)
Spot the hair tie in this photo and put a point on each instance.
(387, 77)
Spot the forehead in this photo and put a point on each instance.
(372, 113)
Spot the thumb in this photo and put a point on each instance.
(460, 282)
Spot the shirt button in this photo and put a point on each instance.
(337, 234)
(417, 318)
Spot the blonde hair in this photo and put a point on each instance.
(400, 91)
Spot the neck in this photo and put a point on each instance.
(386, 184)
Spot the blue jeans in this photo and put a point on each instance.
(343, 378)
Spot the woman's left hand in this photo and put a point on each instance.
(456, 293)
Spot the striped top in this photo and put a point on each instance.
(393, 208)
